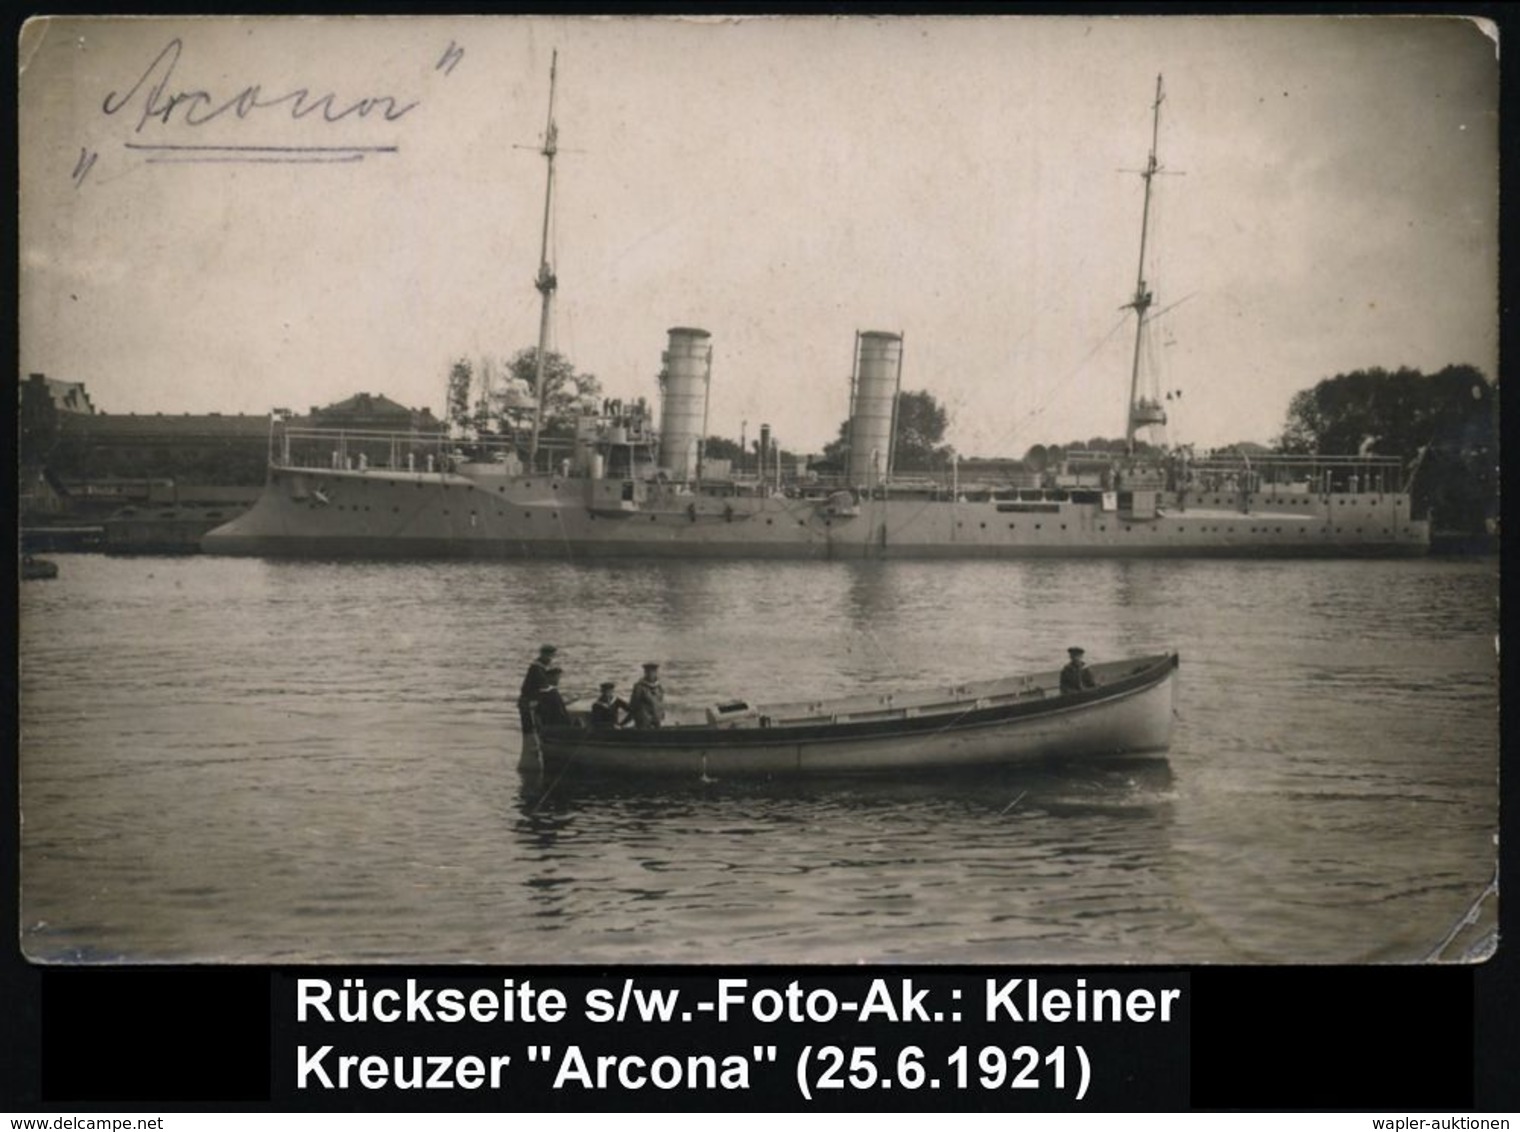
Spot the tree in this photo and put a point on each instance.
(920, 426)
(461, 376)
(564, 389)
(1449, 419)
(1050, 457)
(721, 448)
(1391, 414)
(921, 422)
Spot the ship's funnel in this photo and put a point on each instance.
(688, 367)
(878, 369)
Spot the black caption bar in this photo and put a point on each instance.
(1040, 1041)
(1276, 1038)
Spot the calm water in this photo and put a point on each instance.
(232, 760)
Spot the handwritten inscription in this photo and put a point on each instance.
(451, 56)
(83, 166)
(153, 98)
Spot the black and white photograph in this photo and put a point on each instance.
(972, 490)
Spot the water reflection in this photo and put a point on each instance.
(871, 594)
(1139, 784)
(699, 856)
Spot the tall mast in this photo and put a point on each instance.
(1143, 297)
(546, 281)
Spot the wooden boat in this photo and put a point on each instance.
(1015, 720)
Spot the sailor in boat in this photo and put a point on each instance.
(550, 708)
(533, 685)
(1076, 675)
(647, 703)
(609, 710)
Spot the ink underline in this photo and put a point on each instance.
(181, 154)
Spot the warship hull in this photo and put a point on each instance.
(322, 513)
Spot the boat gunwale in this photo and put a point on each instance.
(1155, 670)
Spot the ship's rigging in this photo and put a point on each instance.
(1145, 408)
(546, 282)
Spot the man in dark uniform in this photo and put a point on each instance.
(534, 683)
(1076, 675)
(647, 703)
(608, 710)
(550, 708)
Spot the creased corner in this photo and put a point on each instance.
(30, 40)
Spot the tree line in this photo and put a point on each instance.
(1444, 425)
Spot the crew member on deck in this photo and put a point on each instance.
(1076, 675)
(647, 703)
(608, 710)
(533, 684)
(550, 708)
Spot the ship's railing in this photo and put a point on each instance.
(358, 449)
(1253, 472)
(1233, 458)
(419, 450)
(1081, 470)
(1313, 474)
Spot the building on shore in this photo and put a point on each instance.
(66, 396)
(156, 481)
(80, 444)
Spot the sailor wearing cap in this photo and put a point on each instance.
(647, 703)
(608, 710)
(1076, 675)
(550, 708)
(533, 684)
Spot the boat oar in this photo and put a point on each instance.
(1013, 803)
(538, 746)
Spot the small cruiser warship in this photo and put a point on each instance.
(624, 488)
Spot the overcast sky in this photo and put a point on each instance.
(1330, 202)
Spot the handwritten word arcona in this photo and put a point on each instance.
(153, 99)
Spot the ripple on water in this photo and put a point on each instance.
(312, 762)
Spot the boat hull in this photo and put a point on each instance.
(1129, 713)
